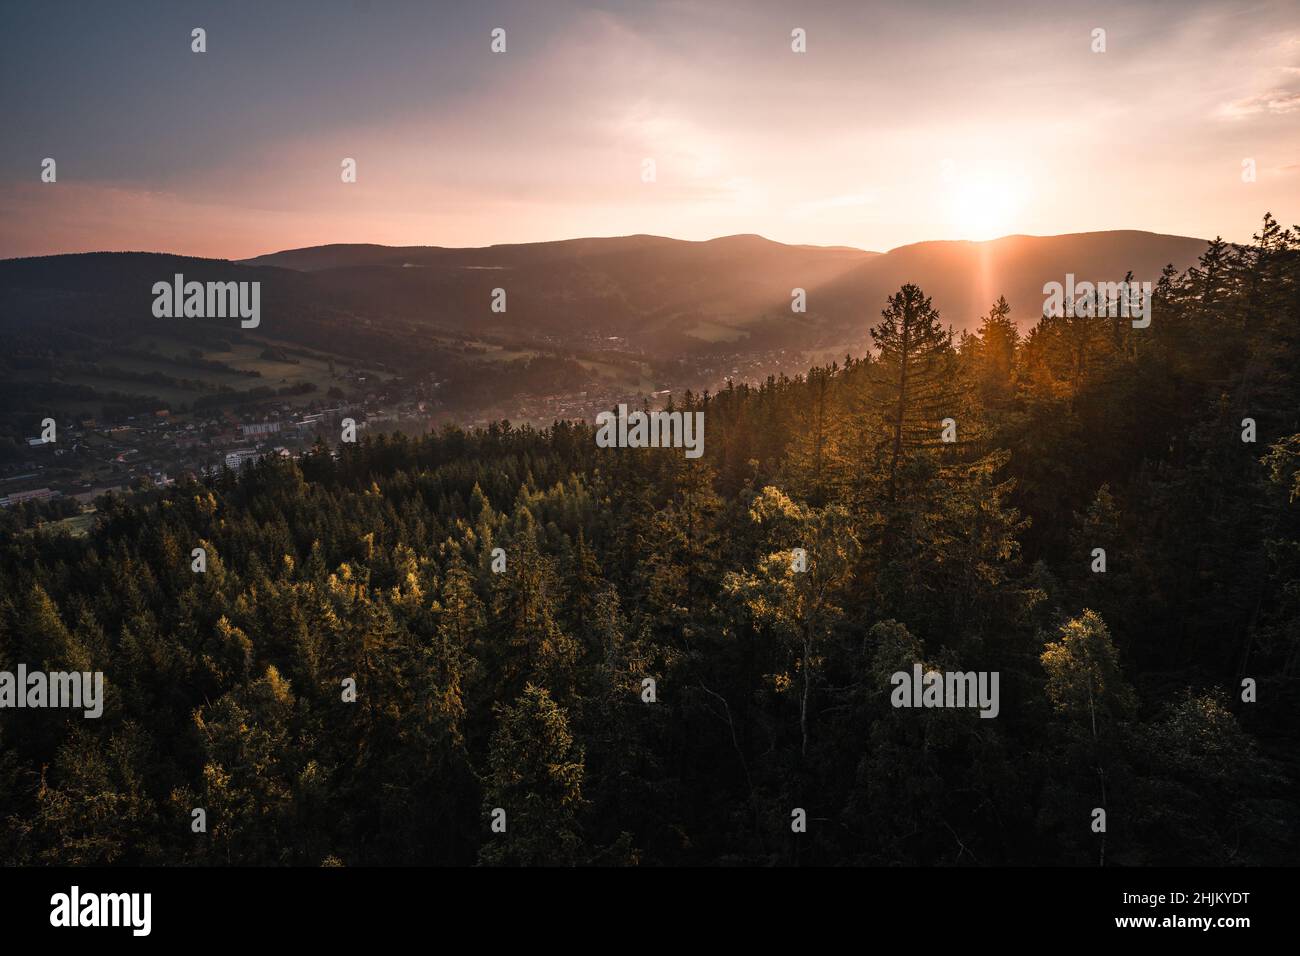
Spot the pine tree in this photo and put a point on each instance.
(535, 775)
(917, 368)
(997, 341)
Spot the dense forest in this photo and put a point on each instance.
(524, 688)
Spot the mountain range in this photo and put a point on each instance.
(666, 298)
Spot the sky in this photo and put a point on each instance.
(902, 122)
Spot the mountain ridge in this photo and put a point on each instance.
(668, 298)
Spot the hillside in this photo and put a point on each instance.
(587, 321)
(672, 297)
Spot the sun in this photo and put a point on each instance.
(984, 205)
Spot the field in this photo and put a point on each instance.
(172, 374)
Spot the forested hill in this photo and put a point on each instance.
(669, 298)
(524, 688)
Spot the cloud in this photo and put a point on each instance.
(1271, 102)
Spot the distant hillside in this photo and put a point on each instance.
(668, 298)
(964, 278)
(674, 296)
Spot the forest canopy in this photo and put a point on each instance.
(649, 680)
